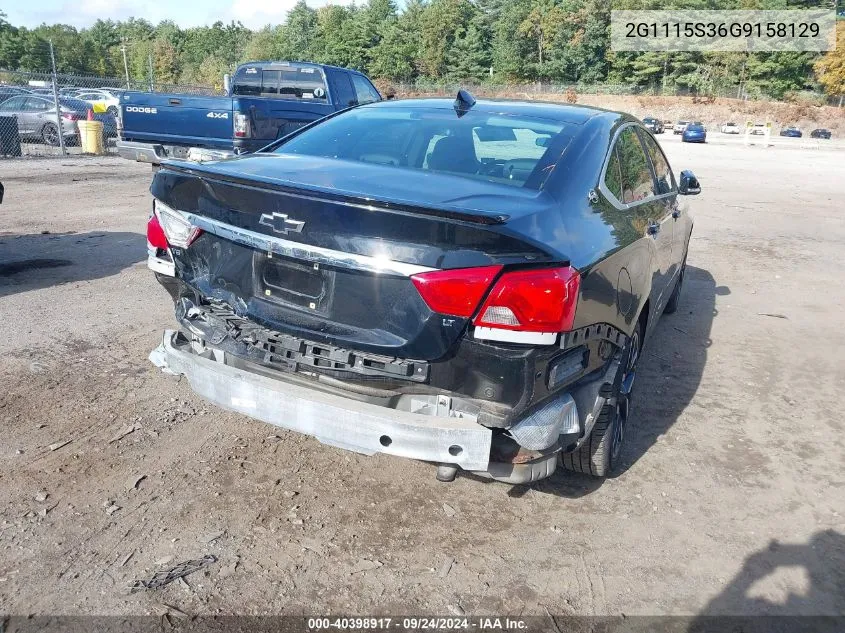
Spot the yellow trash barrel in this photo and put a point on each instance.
(91, 137)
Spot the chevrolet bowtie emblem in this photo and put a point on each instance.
(281, 223)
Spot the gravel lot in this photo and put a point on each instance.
(731, 499)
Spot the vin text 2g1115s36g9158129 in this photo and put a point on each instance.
(466, 283)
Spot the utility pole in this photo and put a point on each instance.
(56, 101)
(125, 65)
(152, 76)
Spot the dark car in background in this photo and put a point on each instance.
(695, 133)
(654, 125)
(36, 116)
(465, 283)
(820, 133)
(791, 131)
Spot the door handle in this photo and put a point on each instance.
(175, 101)
(653, 227)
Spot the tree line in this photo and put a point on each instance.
(434, 41)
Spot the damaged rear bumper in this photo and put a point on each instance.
(333, 420)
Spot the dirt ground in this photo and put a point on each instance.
(712, 112)
(731, 498)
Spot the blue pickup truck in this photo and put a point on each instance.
(267, 100)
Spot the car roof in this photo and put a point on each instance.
(562, 112)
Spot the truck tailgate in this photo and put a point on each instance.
(189, 120)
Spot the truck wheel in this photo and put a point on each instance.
(672, 304)
(599, 454)
(50, 134)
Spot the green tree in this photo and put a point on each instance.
(470, 56)
(300, 32)
(542, 27)
(510, 49)
(440, 23)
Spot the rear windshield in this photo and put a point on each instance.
(518, 151)
(695, 127)
(281, 82)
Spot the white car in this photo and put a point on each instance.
(730, 128)
(680, 127)
(102, 99)
(759, 129)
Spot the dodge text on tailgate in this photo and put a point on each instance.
(465, 283)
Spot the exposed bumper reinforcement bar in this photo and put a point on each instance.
(348, 424)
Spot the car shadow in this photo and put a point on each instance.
(668, 377)
(35, 261)
(814, 600)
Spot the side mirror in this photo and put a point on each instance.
(689, 185)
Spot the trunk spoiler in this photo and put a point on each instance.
(325, 194)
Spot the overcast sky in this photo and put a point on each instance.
(82, 13)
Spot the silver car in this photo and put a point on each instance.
(37, 117)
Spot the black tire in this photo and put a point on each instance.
(600, 454)
(50, 134)
(112, 110)
(672, 304)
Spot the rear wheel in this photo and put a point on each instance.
(600, 453)
(50, 134)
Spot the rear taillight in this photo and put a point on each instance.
(537, 300)
(455, 292)
(71, 116)
(155, 234)
(241, 125)
(524, 306)
(177, 230)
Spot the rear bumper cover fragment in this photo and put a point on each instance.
(333, 420)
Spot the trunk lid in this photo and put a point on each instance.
(299, 245)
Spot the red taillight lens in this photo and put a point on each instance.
(155, 234)
(455, 292)
(539, 300)
(71, 116)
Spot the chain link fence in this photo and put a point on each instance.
(48, 113)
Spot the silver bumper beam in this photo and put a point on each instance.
(334, 420)
(157, 153)
(141, 152)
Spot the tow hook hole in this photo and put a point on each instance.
(385, 440)
(455, 450)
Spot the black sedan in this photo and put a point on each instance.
(820, 133)
(466, 283)
(654, 125)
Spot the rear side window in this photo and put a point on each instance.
(665, 181)
(628, 175)
(364, 90)
(15, 103)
